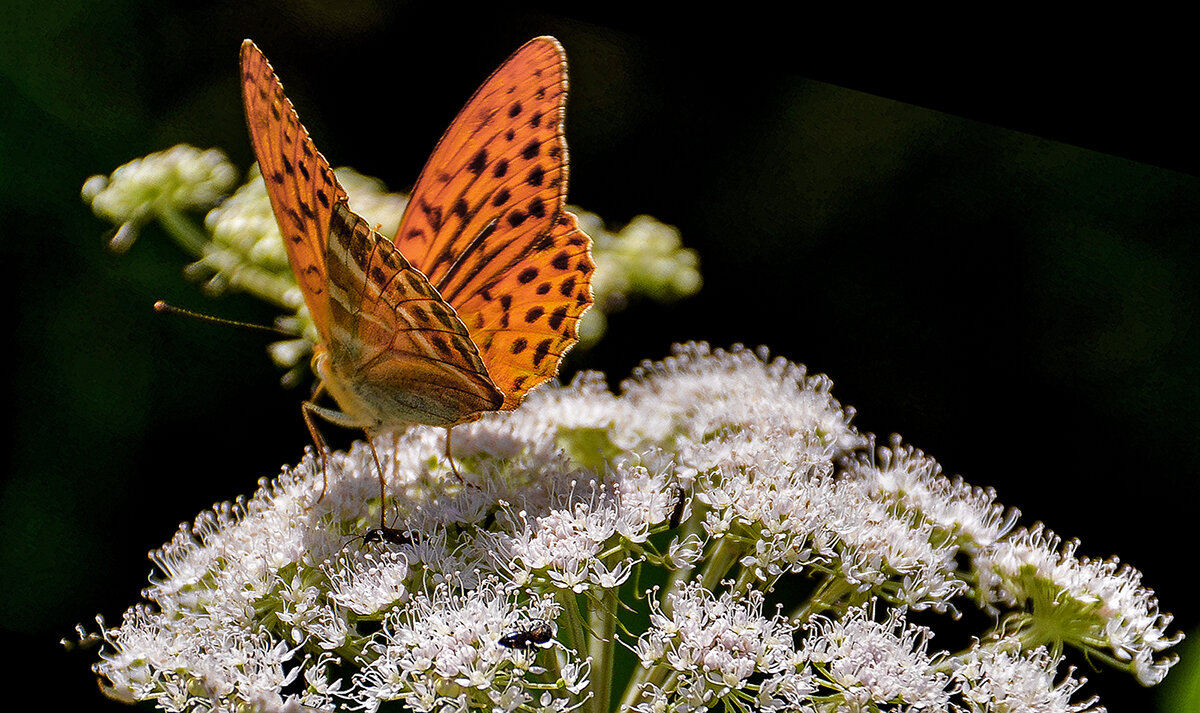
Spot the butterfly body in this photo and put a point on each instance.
(479, 296)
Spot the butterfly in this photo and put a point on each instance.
(479, 295)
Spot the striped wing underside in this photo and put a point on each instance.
(413, 360)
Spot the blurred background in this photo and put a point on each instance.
(987, 242)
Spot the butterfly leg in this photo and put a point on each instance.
(337, 418)
(382, 483)
(340, 419)
(383, 533)
(450, 457)
(308, 408)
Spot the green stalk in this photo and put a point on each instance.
(602, 648)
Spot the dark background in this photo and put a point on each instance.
(987, 241)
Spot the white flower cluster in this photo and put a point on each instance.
(1000, 676)
(867, 661)
(706, 648)
(729, 481)
(1076, 600)
(181, 178)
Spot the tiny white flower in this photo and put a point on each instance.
(876, 662)
(714, 643)
(999, 676)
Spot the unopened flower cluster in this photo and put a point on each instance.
(239, 247)
(719, 525)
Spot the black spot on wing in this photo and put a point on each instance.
(557, 317)
(541, 352)
(478, 162)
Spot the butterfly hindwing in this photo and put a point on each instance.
(527, 317)
(404, 351)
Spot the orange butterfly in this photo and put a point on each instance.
(479, 296)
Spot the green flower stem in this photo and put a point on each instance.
(654, 676)
(826, 597)
(576, 633)
(720, 562)
(601, 648)
(183, 231)
(745, 580)
(676, 579)
(633, 688)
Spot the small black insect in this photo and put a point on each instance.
(389, 535)
(537, 634)
(677, 512)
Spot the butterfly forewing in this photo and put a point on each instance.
(526, 317)
(300, 182)
(481, 167)
(487, 222)
(401, 349)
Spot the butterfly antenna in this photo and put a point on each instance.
(165, 308)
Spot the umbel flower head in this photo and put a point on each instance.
(718, 535)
